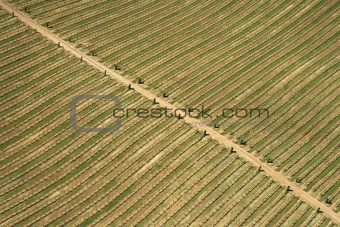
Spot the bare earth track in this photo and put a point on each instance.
(242, 152)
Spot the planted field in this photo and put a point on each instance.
(157, 172)
(282, 56)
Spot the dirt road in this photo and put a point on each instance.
(242, 152)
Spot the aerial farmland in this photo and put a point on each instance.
(170, 113)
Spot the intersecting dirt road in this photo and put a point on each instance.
(242, 152)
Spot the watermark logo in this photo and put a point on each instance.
(191, 112)
(119, 113)
(73, 113)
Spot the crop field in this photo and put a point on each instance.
(51, 174)
(266, 71)
(277, 55)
